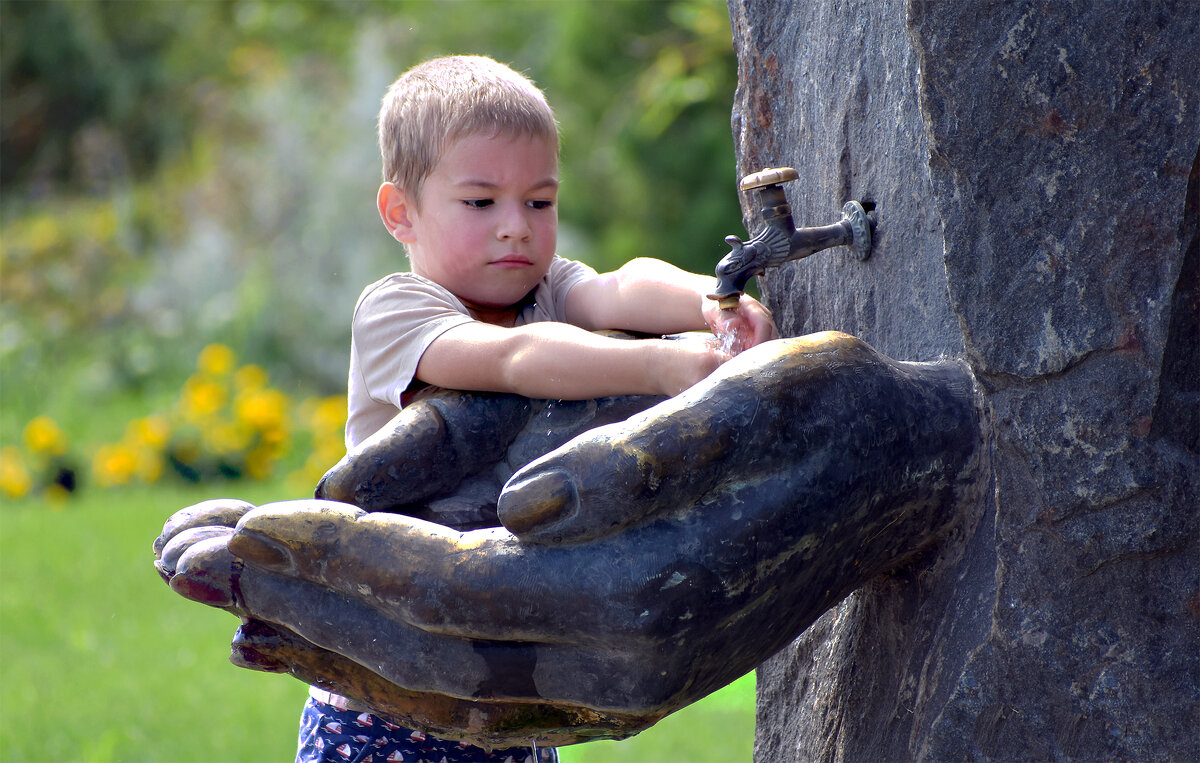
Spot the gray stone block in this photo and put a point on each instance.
(1034, 167)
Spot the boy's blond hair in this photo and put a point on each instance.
(441, 100)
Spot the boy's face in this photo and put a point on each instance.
(487, 224)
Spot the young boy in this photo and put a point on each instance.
(470, 158)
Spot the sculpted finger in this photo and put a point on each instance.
(445, 457)
(220, 512)
(625, 676)
(294, 537)
(169, 556)
(482, 584)
(265, 647)
(208, 573)
(415, 571)
(489, 724)
(426, 451)
(823, 404)
(664, 459)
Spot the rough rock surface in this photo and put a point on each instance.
(1035, 170)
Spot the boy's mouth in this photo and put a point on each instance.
(512, 261)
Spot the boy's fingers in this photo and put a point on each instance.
(760, 326)
(765, 330)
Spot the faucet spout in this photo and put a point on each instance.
(779, 240)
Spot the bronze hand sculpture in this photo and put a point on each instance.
(642, 565)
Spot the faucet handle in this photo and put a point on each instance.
(735, 246)
(770, 176)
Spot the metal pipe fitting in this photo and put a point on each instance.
(779, 240)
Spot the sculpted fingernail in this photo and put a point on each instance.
(537, 501)
(261, 551)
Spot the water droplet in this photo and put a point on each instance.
(727, 335)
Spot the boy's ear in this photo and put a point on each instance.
(394, 209)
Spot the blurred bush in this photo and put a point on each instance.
(228, 423)
(43, 466)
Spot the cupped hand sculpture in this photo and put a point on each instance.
(641, 564)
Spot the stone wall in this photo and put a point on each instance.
(1034, 167)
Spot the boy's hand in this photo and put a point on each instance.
(748, 325)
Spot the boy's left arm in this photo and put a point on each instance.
(655, 297)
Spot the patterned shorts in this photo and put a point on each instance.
(330, 735)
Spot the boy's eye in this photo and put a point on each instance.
(478, 203)
(540, 204)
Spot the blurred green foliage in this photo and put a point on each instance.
(180, 173)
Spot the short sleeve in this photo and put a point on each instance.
(395, 321)
(550, 296)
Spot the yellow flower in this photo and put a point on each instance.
(264, 410)
(329, 416)
(201, 398)
(15, 480)
(216, 360)
(186, 452)
(114, 464)
(149, 432)
(250, 377)
(44, 438)
(274, 439)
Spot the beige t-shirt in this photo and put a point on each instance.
(399, 316)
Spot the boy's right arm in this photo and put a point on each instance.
(559, 361)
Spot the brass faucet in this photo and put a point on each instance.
(780, 241)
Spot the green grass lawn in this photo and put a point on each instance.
(99, 661)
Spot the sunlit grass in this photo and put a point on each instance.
(99, 661)
(717, 729)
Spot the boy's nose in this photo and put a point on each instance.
(514, 225)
